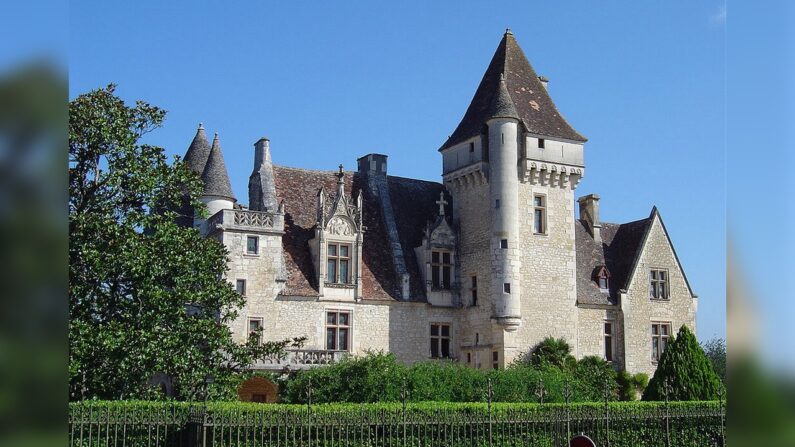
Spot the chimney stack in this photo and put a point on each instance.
(589, 213)
(372, 164)
(261, 184)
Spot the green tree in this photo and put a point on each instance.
(146, 295)
(715, 349)
(684, 372)
(555, 352)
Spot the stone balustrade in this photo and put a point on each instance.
(294, 359)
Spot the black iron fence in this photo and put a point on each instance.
(663, 424)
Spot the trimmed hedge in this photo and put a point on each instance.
(379, 377)
(425, 423)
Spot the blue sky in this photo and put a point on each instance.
(328, 82)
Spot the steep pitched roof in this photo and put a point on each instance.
(413, 205)
(214, 176)
(502, 106)
(621, 246)
(198, 151)
(533, 104)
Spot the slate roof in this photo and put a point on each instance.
(413, 204)
(533, 104)
(621, 245)
(214, 176)
(198, 151)
(502, 106)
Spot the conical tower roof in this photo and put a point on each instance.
(215, 177)
(502, 105)
(198, 151)
(533, 104)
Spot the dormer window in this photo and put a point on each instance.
(441, 268)
(602, 278)
(338, 264)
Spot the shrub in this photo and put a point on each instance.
(686, 370)
(592, 374)
(630, 387)
(553, 351)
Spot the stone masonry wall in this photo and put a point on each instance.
(548, 271)
(639, 310)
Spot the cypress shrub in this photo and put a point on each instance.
(686, 369)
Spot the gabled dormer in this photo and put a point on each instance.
(436, 258)
(337, 245)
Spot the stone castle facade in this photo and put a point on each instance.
(479, 268)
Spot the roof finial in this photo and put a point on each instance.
(341, 174)
(201, 126)
(215, 137)
(508, 31)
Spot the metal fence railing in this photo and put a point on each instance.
(663, 424)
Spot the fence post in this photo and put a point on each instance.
(196, 426)
(540, 391)
(403, 396)
(567, 396)
(721, 392)
(666, 391)
(607, 413)
(489, 395)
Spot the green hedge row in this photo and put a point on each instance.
(424, 423)
(380, 378)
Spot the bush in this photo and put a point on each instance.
(630, 387)
(553, 351)
(592, 375)
(686, 370)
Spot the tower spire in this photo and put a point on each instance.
(215, 176)
(198, 151)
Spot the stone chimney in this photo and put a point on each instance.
(261, 184)
(544, 81)
(589, 213)
(372, 164)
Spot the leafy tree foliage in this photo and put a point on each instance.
(553, 351)
(684, 372)
(631, 386)
(146, 296)
(715, 350)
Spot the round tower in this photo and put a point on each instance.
(504, 135)
(217, 194)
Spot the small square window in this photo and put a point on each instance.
(240, 286)
(504, 243)
(252, 245)
(506, 287)
(541, 143)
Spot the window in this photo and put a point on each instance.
(603, 284)
(474, 290)
(659, 339)
(503, 243)
(540, 215)
(506, 287)
(658, 284)
(441, 269)
(541, 143)
(495, 360)
(252, 245)
(338, 264)
(608, 341)
(240, 286)
(440, 340)
(338, 329)
(497, 204)
(255, 327)
(471, 147)
(603, 278)
(469, 357)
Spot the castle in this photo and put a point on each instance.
(478, 268)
